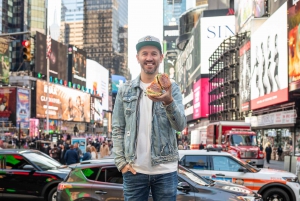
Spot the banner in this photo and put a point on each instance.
(200, 98)
(34, 127)
(275, 118)
(64, 103)
(8, 104)
(96, 109)
(116, 82)
(23, 108)
(4, 61)
(245, 72)
(243, 11)
(269, 83)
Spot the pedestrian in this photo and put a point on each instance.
(94, 153)
(71, 156)
(79, 152)
(104, 150)
(268, 151)
(87, 155)
(279, 152)
(143, 133)
(55, 152)
(261, 148)
(201, 146)
(62, 154)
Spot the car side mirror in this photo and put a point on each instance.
(28, 167)
(243, 169)
(184, 187)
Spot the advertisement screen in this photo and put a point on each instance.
(58, 58)
(96, 109)
(274, 5)
(23, 108)
(269, 84)
(200, 98)
(245, 72)
(34, 127)
(294, 45)
(243, 11)
(4, 61)
(116, 82)
(259, 8)
(64, 103)
(213, 32)
(97, 80)
(8, 104)
(77, 65)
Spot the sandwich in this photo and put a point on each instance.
(161, 82)
(164, 81)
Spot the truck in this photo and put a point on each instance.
(237, 139)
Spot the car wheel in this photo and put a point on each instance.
(275, 194)
(260, 166)
(52, 194)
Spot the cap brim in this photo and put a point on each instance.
(148, 43)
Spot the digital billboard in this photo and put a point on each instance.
(213, 32)
(269, 84)
(243, 12)
(4, 61)
(200, 98)
(96, 109)
(97, 81)
(117, 81)
(8, 104)
(293, 44)
(23, 108)
(64, 103)
(58, 60)
(77, 65)
(274, 5)
(245, 73)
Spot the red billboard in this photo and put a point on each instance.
(200, 100)
(8, 104)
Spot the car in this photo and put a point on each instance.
(218, 165)
(29, 174)
(100, 180)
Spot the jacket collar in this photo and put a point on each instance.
(136, 82)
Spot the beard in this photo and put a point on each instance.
(150, 71)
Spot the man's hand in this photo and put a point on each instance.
(128, 168)
(166, 97)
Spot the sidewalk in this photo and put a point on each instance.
(278, 165)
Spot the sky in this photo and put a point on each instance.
(145, 17)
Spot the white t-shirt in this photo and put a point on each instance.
(142, 163)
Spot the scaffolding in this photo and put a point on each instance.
(224, 103)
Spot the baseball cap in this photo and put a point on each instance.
(148, 41)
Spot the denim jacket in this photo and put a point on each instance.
(165, 120)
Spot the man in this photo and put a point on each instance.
(144, 138)
(55, 152)
(201, 146)
(71, 156)
(268, 151)
(79, 152)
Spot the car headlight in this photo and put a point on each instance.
(290, 179)
(247, 198)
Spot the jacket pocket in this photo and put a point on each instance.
(129, 104)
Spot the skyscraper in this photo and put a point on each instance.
(105, 26)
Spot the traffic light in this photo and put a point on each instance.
(26, 50)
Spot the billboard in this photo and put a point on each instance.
(116, 82)
(77, 65)
(274, 5)
(64, 103)
(243, 12)
(8, 104)
(34, 127)
(58, 59)
(293, 44)
(213, 32)
(200, 98)
(4, 61)
(23, 108)
(97, 80)
(96, 109)
(245, 72)
(269, 84)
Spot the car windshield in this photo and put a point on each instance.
(243, 140)
(43, 161)
(192, 176)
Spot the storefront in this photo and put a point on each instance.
(277, 129)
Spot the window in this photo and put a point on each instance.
(111, 175)
(90, 173)
(224, 163)
(195, 162)
(13, 161)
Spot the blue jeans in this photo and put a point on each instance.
(137, 187)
